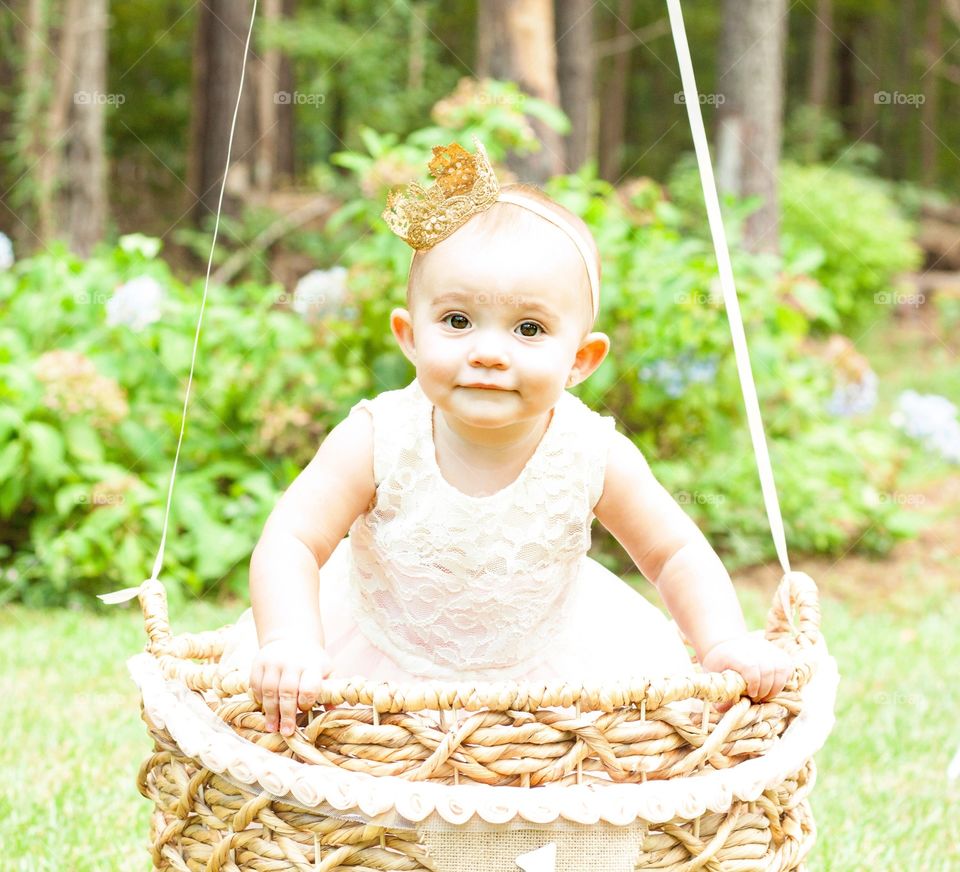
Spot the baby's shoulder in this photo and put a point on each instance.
(581, 418)
(387, 402)
(390, 422)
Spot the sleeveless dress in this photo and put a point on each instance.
(432, 583)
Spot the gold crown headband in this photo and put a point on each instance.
(466, 185)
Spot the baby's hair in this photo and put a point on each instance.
(501, 217)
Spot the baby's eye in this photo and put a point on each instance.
(457, 321)
(536, 327)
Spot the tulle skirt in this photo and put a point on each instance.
(613, 634)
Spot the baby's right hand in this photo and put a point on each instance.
(285, 676)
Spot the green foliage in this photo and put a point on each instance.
(87, 434)
(86, 440)
(662, 303)
(367, 64)
(839, 227)
(864, 240)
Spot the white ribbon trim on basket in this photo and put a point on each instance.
(542, 860)
(201, 736)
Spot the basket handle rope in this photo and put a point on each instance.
(151, 592)
(158, 627)
(731, 304)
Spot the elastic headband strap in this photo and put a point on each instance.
(538, 208)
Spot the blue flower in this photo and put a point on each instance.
(674, 375)
(854, 398)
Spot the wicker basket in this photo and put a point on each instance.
(440, 776)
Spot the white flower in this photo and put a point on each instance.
(320, 292)
(137, 243)
(932, 419)
(6, 252)
(136, 304)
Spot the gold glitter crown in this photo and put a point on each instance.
(466, 185)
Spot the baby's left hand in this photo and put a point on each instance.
(765, 667)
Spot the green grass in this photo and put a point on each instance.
(73, 741)
(72, 738)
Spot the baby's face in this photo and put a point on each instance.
(503, 310)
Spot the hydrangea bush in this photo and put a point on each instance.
(94, 358)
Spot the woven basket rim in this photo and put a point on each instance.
(386, 800)
(796, 592)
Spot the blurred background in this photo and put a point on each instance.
(833, 129)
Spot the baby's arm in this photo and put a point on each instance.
(303, 529)
(672, 552)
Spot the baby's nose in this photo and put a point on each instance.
(489, 349)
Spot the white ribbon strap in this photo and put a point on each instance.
(692, 100)
(129, 593)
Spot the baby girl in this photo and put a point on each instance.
(468, 495)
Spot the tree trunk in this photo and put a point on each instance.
(750, 119)
(516, 41)
(613, 100)
(821, 56)
(846, 75)
(218, 58)
(274, 128)
(902, 139)
(872, 71)
(576, 67)
(286, 161)
(83, 201)
(932, 51)
(417, 63)
(36, 121)
(270, 105)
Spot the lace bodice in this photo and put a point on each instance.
(452, 585)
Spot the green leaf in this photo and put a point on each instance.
(220, 548)
(46, 450)
(83, 443)
(11, 493)
(10, 421)
(10, 458)
(69, 497)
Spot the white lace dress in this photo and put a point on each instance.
(433, 583)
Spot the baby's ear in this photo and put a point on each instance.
(401, 325)
(591, 353)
